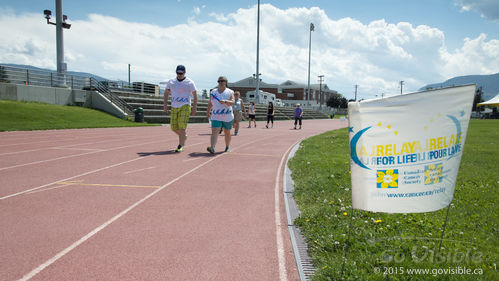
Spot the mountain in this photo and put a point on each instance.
(84, 74)
(489, 84)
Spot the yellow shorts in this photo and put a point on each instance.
(180, 117)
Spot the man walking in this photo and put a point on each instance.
(181, 89)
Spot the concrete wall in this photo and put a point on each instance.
(61, 96)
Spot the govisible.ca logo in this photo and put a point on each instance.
(419, 254)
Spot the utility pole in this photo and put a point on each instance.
(257, 90)
(129, 75)
(320, 90)
(312, 27)
(401, 86)
(356, 86)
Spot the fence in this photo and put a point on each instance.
(18, 75)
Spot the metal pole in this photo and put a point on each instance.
(129, 75)
(309, 55)
(401, 86)
(443, 229)
(356, 86)
(257, 90)
(61, 66)
(320, 91)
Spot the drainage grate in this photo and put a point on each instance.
(305, 266)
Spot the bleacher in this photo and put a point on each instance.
(153, 109)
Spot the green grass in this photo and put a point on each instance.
(396, 243)
(25, 116)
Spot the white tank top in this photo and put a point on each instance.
(221, 112)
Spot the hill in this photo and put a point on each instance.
(489, 84)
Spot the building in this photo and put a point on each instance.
(289, 92)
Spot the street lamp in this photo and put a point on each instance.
(60, 23)
(257, 90)
(312, 27)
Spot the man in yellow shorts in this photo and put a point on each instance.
(181, 89)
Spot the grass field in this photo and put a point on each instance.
(384, 246)
(24, 116)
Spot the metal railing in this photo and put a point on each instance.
(25, 76)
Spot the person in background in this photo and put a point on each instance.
(239, 110)
(181, 89)
(252, 114)
(270, 114)
(220, 113)
(298, 114)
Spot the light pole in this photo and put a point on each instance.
(257, 90)
(401, 86)
(309, 53)
(320, 90)
(356, 86)
(60, 23)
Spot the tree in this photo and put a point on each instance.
(337, 100)
(478, 99)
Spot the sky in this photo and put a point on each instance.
(372, 44)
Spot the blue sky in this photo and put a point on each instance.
(371, 43)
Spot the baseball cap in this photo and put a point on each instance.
(180, 69)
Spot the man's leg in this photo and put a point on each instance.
(181, 136)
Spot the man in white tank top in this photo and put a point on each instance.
(220, 113)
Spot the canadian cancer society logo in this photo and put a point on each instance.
(387, 178)
(432, 173)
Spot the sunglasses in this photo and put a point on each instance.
(220, 81)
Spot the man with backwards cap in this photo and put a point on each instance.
(181, 89)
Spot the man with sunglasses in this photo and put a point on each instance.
(181, 89)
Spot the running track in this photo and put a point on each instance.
(118, 204)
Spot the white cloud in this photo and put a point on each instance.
(488, 9)
(375, 56)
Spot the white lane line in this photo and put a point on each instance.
(277, 213)
(66, 179)
(80, 175)
(55, 187)
(74, 155)
(104, 225)
(139, 170)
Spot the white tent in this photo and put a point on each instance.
(492, 101)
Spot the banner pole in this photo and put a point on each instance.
(443, 230)
(346, 244)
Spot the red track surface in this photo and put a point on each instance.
(118, 204)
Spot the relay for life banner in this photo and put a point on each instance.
(405, 150)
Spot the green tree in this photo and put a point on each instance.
(478, 99)
(337, 100)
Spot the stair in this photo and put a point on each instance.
(153, 109)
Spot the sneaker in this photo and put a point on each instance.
(255, 125)
(210, 150)
(267, 126)
(235, 133)
(179, 148)
(227, 149)
(300, 127)
(294, 128)
(250, 126)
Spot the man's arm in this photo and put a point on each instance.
(165, 100)
(195, 103)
